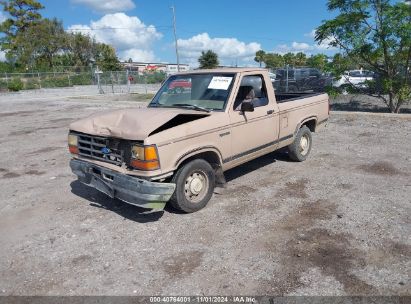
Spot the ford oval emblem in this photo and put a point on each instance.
(105, 151)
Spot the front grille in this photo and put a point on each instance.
(93, 146)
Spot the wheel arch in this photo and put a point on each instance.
(310, 122)
(210, 154)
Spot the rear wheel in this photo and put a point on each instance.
(301, 147)
(195, 183)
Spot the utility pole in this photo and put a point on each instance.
(175, 37)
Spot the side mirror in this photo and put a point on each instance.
(247, 106)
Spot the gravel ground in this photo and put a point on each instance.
(337, 224)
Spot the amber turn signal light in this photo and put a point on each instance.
(145, 165)
(144, 158)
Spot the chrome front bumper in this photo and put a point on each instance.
(132, 190)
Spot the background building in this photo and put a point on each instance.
(143, 67)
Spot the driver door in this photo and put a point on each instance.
(252, 131)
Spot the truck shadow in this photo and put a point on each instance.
(141, 215)
(127, 211)
(266, 160)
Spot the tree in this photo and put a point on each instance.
(376, 34)
(318, 61)
(40, 43)
(31, 41)
(208, 60)
(106, 58)
(289, 58)
(300, 59)
(23, 14)
(273, 60)
(260, 57)
(82, 50)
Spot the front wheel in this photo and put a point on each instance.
(195, 183)
(301, 147)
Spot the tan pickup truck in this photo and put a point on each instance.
(197, 126)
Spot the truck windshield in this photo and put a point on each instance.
(195, 91)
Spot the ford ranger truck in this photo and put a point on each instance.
(177, 149)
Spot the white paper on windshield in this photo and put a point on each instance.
(220, 83)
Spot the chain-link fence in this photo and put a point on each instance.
(287, 79)
(103, 82)
(128, 82)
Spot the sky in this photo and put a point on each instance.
(142, 29)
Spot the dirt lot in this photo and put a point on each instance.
(336, 224)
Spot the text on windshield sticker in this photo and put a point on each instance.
(220, 83)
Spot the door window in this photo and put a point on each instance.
(252, 89)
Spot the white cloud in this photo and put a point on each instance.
(107, 6)
(139, 55)
(310, 34)
(296, 47)
(300, 46)
(131, 37)
(3, 17)
(323, 46)
(229, 50)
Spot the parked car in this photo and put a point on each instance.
(179, 86)
(354, 78)
(177, 149)
(272, 76)
(301, 80)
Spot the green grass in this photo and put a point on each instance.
(142, 97)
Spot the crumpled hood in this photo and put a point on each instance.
(133, 124)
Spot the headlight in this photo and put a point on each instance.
(73, 143)
(144, 158)
(137, 152)
(73, 140)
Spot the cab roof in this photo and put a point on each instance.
(224, 70)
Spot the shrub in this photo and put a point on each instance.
(57, 82)
(32, 84)
(3, 85)
(82, 79)
(15, 85)
(156, 77)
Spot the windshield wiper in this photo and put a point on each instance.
(191, 106)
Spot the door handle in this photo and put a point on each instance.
(270, 112)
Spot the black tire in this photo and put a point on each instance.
(301, 147)
(187, 180)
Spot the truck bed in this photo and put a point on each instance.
(285, 97)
